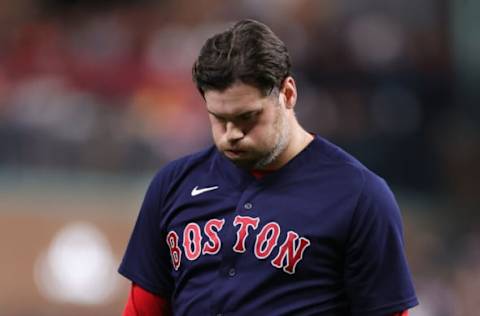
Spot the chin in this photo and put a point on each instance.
(244, 163)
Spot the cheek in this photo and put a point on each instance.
(217, 131)
(259, 136)
(265, 129)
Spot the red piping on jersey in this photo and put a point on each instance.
(260, 173)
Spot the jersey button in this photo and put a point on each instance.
(232, 272)
(248, 206)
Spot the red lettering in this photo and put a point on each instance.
(175, 252)
(192, 239)
(290, 253)
(263, 238)
(242, 233)
(213, 246)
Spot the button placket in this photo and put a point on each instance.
(228, 271)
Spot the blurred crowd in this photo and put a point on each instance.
(106, 86)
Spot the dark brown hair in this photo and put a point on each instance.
(248, 52)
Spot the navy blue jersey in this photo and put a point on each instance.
(320, 236)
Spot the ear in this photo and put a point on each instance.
(289, 92)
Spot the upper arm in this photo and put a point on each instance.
(146, 260)
(377, 276)
(142, 302)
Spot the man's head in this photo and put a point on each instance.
(244, 76)
(248, 52)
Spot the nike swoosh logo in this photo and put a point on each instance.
(196, 191)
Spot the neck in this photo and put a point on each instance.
(299, 139)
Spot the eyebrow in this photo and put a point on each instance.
(236, 116)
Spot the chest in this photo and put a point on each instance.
(282, 226)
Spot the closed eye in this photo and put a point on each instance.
(248, 117)
(220, 119)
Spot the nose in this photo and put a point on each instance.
(233, 133)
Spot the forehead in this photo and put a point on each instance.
(236, 99)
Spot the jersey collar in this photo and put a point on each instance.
(241, 177)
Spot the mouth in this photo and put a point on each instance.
(233, 153)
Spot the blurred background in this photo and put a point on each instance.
(95, 96)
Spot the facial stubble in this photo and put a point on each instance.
(282, 136)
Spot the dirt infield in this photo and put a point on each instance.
(30, 217)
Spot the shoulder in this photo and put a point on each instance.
(331, 157)
(374, 207)
(332, 154)
(176, 168)
(375, 201)
(350, 172)
(175, 172)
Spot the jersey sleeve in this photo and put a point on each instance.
(146, 260)
(377, 276)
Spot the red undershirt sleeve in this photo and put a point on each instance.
(143, 303)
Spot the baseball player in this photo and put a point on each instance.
(272, 220)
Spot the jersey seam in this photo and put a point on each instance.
(357, 203)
